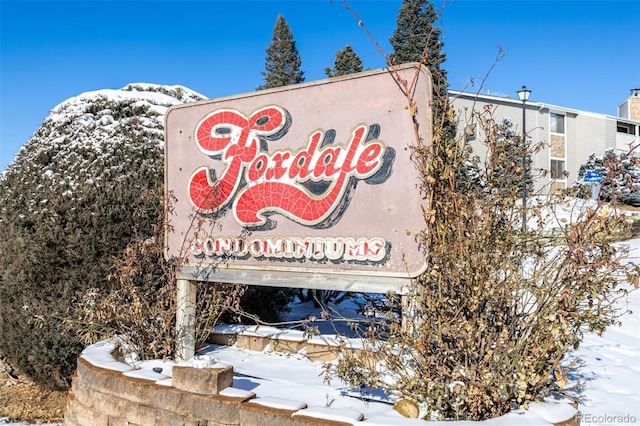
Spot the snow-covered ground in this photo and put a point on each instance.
(610, 375)
(611, 366)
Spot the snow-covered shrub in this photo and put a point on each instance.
(621, 177)
(82, 217)
(86, 185)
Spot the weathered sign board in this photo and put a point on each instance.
(309, 186)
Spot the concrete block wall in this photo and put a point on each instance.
(103, 397)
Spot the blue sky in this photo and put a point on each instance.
(579, 54)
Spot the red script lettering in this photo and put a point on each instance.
(273, 182)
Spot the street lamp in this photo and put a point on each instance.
(524, 94)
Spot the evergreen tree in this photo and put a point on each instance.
(282, 63)
(416, 31)
(512, 161)
(347, 62)
(621, 177)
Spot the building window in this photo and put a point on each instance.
(557, 169)
(557, 123)
(624, 128)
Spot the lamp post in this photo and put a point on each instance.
(524, 94)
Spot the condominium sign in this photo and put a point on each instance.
(310, 185)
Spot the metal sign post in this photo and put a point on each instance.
(593, 177)
(185, 319)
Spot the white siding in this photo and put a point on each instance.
(585, 132)
(623, 109)
(610, 133)
(501, 109)
(589, 137)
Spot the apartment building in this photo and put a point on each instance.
(570, 136)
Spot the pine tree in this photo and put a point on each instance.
(621, 177)
(416, 30)
(512, 160)
(347, 62)
(282, 62)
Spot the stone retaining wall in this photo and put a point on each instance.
(101, 396)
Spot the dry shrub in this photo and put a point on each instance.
(500, 306)
(140, 304)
